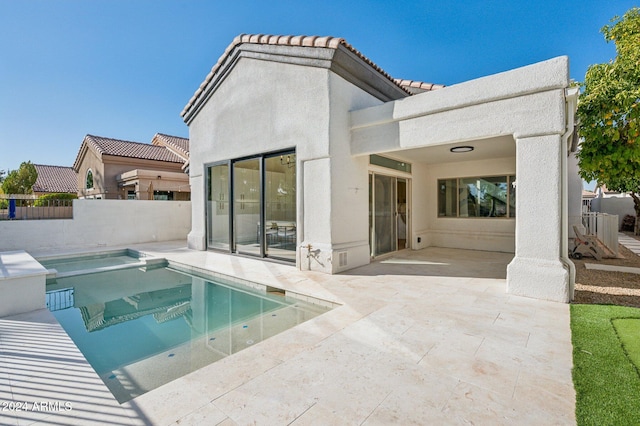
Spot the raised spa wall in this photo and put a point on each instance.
(22, 283)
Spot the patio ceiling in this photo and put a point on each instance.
(484, 149)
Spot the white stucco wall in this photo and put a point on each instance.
(264, 106)
(100, 223)
(260, 106)
(349, 213)
(620, 206)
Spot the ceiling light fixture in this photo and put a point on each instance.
(465, 148)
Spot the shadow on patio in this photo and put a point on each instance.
(439, 262)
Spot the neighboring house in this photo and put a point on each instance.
(175, 144)
(603, 192)
(117, 169)
(304, 150)
(587, 196)
(55, 179)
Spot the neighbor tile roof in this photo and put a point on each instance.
(55, 179)
(304, 41)
(120, 148)
(176, 142)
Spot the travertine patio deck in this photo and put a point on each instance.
(424, 337)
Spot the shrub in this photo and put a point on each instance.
(54, 199)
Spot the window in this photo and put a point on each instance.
(163, 195)
(389, 163)
(89, 180)
(492, 196)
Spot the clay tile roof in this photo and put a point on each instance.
(418, 86)
(120, 148)
(55, 179)
(300, 40)
(177, 143)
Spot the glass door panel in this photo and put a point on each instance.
(218, 207)
(384, 204)
(246, 207)
(401, 213)
(372, 237)
(280, 206)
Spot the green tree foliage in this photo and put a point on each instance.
(609, 112)
(20, 181)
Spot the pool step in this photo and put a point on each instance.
(144, 264)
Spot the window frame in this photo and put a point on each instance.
(86, 179)
(230, 247)
(509, 214)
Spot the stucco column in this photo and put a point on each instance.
(197, 237)
(537, 270)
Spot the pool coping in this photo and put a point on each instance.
(261, 287)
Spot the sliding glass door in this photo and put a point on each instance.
(388, 213)
(251, 206)
(384, 207)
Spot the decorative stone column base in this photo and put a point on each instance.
(539, 278)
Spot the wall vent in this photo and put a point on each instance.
(342, 258)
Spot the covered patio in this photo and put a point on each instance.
(518, 125)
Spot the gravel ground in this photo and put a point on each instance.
(604, 287)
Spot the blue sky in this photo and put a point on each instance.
(126, 68)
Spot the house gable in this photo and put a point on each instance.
(177, 145)
(330, 53)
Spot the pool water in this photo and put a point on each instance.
(140, 328)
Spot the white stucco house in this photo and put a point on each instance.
(305, 151)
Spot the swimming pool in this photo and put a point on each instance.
(140, 328)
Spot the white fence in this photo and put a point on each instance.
(30, 207)
(605, 227)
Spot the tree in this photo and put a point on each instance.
(20, 181)
(609, 113)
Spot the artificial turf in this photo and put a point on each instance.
(606, 338)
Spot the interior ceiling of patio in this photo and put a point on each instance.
(483, 149)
